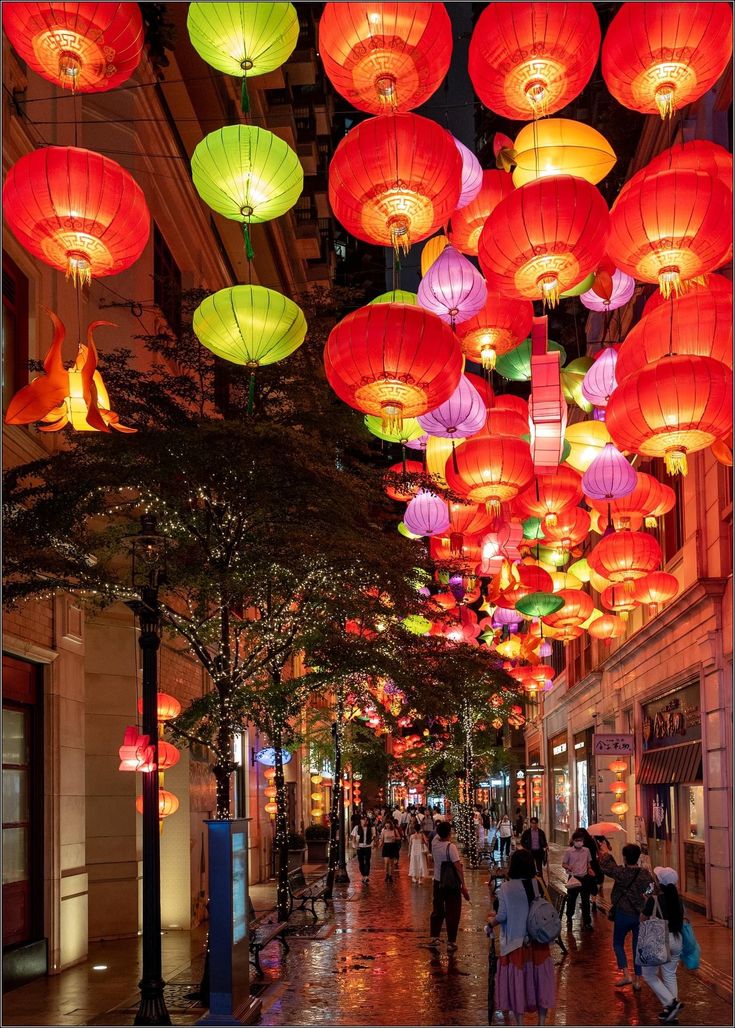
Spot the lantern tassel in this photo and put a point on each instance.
(454, 459)
(494, 507)
(79, 270)
(650, 521)
(403, 459)
(676, 462)
(249, 252)
(251, 393)
(244, 98)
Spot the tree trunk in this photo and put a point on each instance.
(280, 841)
(222, 772)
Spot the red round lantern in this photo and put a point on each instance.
(649, 499)
(619, 599)
(395, 180)
(466, 519)
(490, 469)
(670, 227)
(607, 628)
(468, 223)
(382, 56)
(167, 706)
(168, 755)
(698, 324)
(716, 287)
(571, 527)
(88, 48)
(402, 493)
(625, 556)
(532, 579)
(655, 589)
(531, 59)
(508, 416)
(544, 238)
(695, 155)
(393, 360)
(464, 559)
(549, 495)
(659, 58)
(499, 327)
(674, 407)
(578, 606)
(76, 210)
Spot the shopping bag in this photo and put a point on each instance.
(653, 941)
(690, 949)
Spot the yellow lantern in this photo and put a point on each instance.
(249, 325)
(592, 618)
(573, 374)
(406, 433)
(317, 797)
(558, 146)
(270, 792)
(438, 452)
(271, 808)
(431, 250)
(621, 809)
(316, 779)
(565, 580)
(587, 440)
(269, 773)
(317, 812)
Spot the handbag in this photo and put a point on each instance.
(653, 946)
(449, 880)
(614, 906)
(690, 949)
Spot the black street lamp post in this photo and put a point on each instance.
(148, 573)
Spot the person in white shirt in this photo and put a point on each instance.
(364, 839)
(447, 906)
(577, 861)
(505, 831)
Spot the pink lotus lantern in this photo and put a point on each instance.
(426, 514)
(136, 753)
(609, 476)
(452, 288)
(463, 414)
(623, 287)
(600, 383)
(471, 175)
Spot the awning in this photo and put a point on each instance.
(671, 764)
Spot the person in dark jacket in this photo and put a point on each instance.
(596, 886)
(629, 896)
(534, 839)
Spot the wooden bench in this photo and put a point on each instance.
(262, 932)
(302, 892)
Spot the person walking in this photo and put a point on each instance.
(390, 843)
(505, 831)
(447, 903)
(364, 839)
(534, 840)
(662, 978)
(525, 972)
(518, 822)
(628, 898)
(597, 876)
(577, 862)
(427, 826)
(417, 849)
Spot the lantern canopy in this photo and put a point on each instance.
(543, 238)
(76, 210)
(385, 56)
(558, 146)
(245, 39)
(246, 173)
(393, 360)
(498, 327)
(426, 514)
(469, 221)
(87, 48)
(531, 59)
(609, 476)
(463, 414)
(395, 180)
(452, 288)
(659, 58)
(249, 325)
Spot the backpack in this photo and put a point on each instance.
(543, 923)
(449, 880)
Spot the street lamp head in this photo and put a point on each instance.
(149, 554)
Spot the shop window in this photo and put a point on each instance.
(166, 282)
(15, 329)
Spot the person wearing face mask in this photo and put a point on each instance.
(577, 862)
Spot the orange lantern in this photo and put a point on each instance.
(490, 470)
(697, 155)
(621, 809)
(619, 788)
(168, 755)
(530, 59)
(607, 628)
(715, 286)
(269, 773)
(619, 599)
(649, 499)
(466, 519)
(272, 808)
(468, 223)
(383, 56)
(571, 527)
(544, 238)
(167, 707)
(395, 180)
(656, 589)
(87, 48)
(659, 58)
(670, 227)
(625, 556)
(402, 493)
(578, 606)
(674, 407)
(167, 804)
(546, 497)
(393, 360)
(499, 327)
(508, 416)
(618, 767)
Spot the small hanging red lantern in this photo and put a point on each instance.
(406, 490)
(167, 804)
(167, 707)
(607, 628)
(578, 606)
(656, 589)
(499, 327)
(620, 599)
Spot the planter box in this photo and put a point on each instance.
(317, 850)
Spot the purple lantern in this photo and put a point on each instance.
(506, 617)
(471, 175)
(426, 514)
(600, 383)
(545, 649)
(623, 287)
(609, 476)
(457, 587)
(462, 415)
(452, 288)
(418, 444)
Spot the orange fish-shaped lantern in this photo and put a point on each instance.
(75, 396)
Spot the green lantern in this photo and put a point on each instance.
(249, 325)
(582, 287)
(243, 40)
(516, 364)
(571, 382)
(409, 430)
(247, 174)
(532, 528)
(550, 555)
(539, 605)
(397, 296)
(405, 531)
(417, 624)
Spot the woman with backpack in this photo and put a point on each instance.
(449, 888)
(662, 977)
(525, 974)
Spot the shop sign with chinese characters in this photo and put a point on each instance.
(673, 718)
(609, 745)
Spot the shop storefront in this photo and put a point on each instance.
(672, 788)
(560, 788)
(584, 780)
